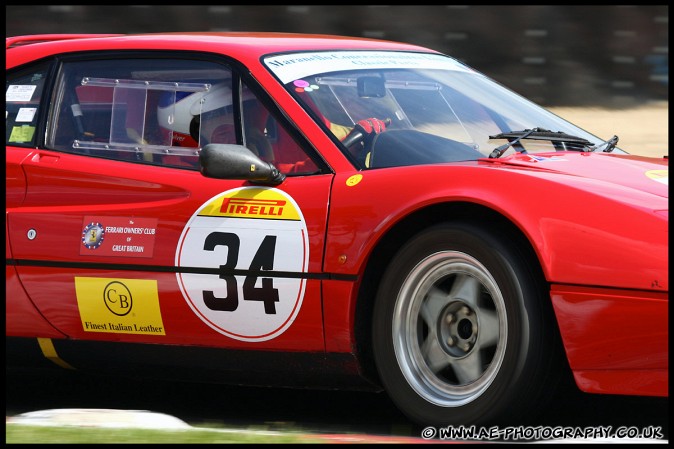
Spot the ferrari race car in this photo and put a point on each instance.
(328, 212)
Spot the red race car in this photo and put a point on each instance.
(317, 211)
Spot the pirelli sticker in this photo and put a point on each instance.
(250, 234)
(269, 208)
(120, 306)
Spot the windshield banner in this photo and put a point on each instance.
(299, 65)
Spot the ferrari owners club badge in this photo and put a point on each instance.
(92, 235)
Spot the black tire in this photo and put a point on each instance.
(463, 332)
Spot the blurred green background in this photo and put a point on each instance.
(610, 56)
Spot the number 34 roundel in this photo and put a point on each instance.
(244, 236)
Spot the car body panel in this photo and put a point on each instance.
(654, 382)
(604, 333)
(15, 180)
(22, 318)
(365, 211)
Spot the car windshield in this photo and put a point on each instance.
(436, 108)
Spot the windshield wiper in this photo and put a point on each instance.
(538, 134)
(610, 145)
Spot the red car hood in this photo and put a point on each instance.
(645, 174)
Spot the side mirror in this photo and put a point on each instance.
(223, 161)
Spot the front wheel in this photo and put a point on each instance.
(462, 333)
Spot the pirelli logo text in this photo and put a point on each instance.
(252, 207)
(256, 208)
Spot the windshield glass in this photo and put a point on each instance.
(432, 105)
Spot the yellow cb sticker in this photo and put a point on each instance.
(121, 306)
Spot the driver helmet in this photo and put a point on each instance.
(179, 113)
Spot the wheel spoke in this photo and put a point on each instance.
(468, 368)
(432, 306)
(467, 289)
(434, 356)
(488, 333)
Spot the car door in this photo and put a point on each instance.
(120, 237)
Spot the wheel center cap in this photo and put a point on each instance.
(457, 329)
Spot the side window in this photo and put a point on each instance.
(23, 92)
(162, 112)
(140, 110)
(264, 135)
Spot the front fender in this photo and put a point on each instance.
(583, 232)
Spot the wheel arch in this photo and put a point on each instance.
(385, 249)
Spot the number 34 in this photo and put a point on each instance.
(263, 260)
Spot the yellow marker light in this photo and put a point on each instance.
(353, 180)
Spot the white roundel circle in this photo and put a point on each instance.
(239, 235)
